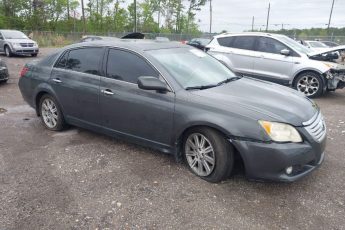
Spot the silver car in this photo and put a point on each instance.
(16, 42)
(273, 57)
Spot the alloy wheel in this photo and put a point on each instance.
(309, 85)
(200, 154)
(49, 113)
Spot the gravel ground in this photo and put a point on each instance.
(78, 179)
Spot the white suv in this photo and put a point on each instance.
(273, 57)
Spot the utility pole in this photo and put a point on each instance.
(268, 15)
(253, 24)
(210, 17)
(330, 17)
(135, 15)
(83, 14)
(68, 10)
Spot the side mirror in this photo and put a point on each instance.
(152, 83)
(285, 52)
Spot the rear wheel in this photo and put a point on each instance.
(208, 154)
(8, 51)
(51, 113)
(310, 84)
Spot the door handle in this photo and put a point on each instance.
(107, 92)
(57, 80)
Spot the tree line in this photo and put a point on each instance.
(154, 16)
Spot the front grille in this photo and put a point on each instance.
(27, 44)
(316, 127)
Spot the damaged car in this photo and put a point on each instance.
(334, 58)
(276, 58)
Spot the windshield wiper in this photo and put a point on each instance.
(215, 85)
(200, 87)
(229, 80)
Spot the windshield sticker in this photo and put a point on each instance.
(198, 53)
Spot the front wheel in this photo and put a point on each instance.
(309, 83)
(51, 113)
(8, 51)
(208, 154)
(33, 55)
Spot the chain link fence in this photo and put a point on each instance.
(57, 39)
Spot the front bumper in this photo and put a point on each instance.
(3, 73)
(268, 161)
(25, 50)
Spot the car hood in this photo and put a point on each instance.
(260, 99)
(327, 50)
(20, 40)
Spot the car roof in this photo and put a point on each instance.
(249, 33)
(10, 30)
(132, 44)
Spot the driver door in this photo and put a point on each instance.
(142, 115)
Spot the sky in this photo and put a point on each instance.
(236, 15)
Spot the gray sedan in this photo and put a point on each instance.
(181, 101)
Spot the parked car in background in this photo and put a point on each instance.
(90, 38)
(315, 45)
(16, 42)
(330, 44)
(3, 71)
(181, 101)
(276, 58)
(162, 39)
(199, 43)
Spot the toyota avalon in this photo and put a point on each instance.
(181, 101)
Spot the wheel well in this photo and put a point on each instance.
(304, 71)
(37, 101)
(238, 163)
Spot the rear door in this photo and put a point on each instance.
(75, 80)
(144, 115)
(243, 55)
(238, 51)
(270, 64)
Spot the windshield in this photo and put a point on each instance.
(295, 45)
(317, 45)
(13, 34)
(192, 67)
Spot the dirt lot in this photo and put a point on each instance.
(77, 179)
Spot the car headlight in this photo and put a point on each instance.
(15, 44)
(35, 44)
(281, 132)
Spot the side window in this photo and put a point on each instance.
(225, 41)
(270, 45)
(85, 60)
(62, 61)
(1, 37)
(244, 42)
(126, 66)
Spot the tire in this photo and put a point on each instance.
(198, 158)
(33, 55)
(8, 51)
(51, 114)
(309, 83)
